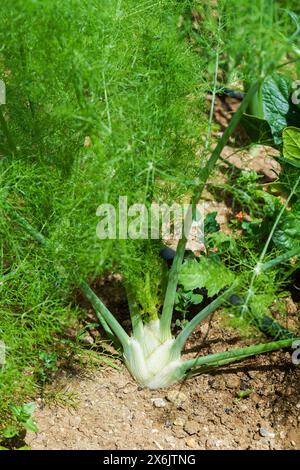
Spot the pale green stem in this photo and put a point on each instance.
(166, 317)
(215, 360)
(214, 92)
(280, 259)
(185, 333)
(105, 314)
(136, 320)
(36, 235)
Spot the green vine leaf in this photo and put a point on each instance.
(278, 112)
(206, 273)
(291, 145)
(287, 235)
(210, 223)
(276, 104)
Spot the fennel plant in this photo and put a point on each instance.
(151, 353)
(122, 76)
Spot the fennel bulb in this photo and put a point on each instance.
(153, 362)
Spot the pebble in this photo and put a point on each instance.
(160, 447)
(264, 432)
(244, 385)
(128, 389)
(253, 374)
(228, 410)
(158, 402)
(260, 445)
(179, 422)
(176, 397)
(75, 421)
(233, 382)
(218, 384)
(191, 442)
(171, 440)
(255, 397)
(243, 407)
(192, 427)
(213, 443)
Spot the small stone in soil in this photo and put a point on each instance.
(191, 427)
(158, 402)
(244, 385)
(233, 382)
(264, 432)
(176, 397)
(253, 374)
(255, 397)
(213, 443)
(179, 422)
(190, 442)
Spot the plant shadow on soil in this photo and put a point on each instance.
(16, 442)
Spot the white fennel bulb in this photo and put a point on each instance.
(151, 361)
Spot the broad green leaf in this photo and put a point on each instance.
(30, 425)
(279, 111)
(210, 223)
(22, 413)
(16, 411)
(221, 241)
(291, 145)
(271, 202)
(206, 273)
(9, 432)
(287, 235)
(29, 408)
(257, 129)
(194, 298)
